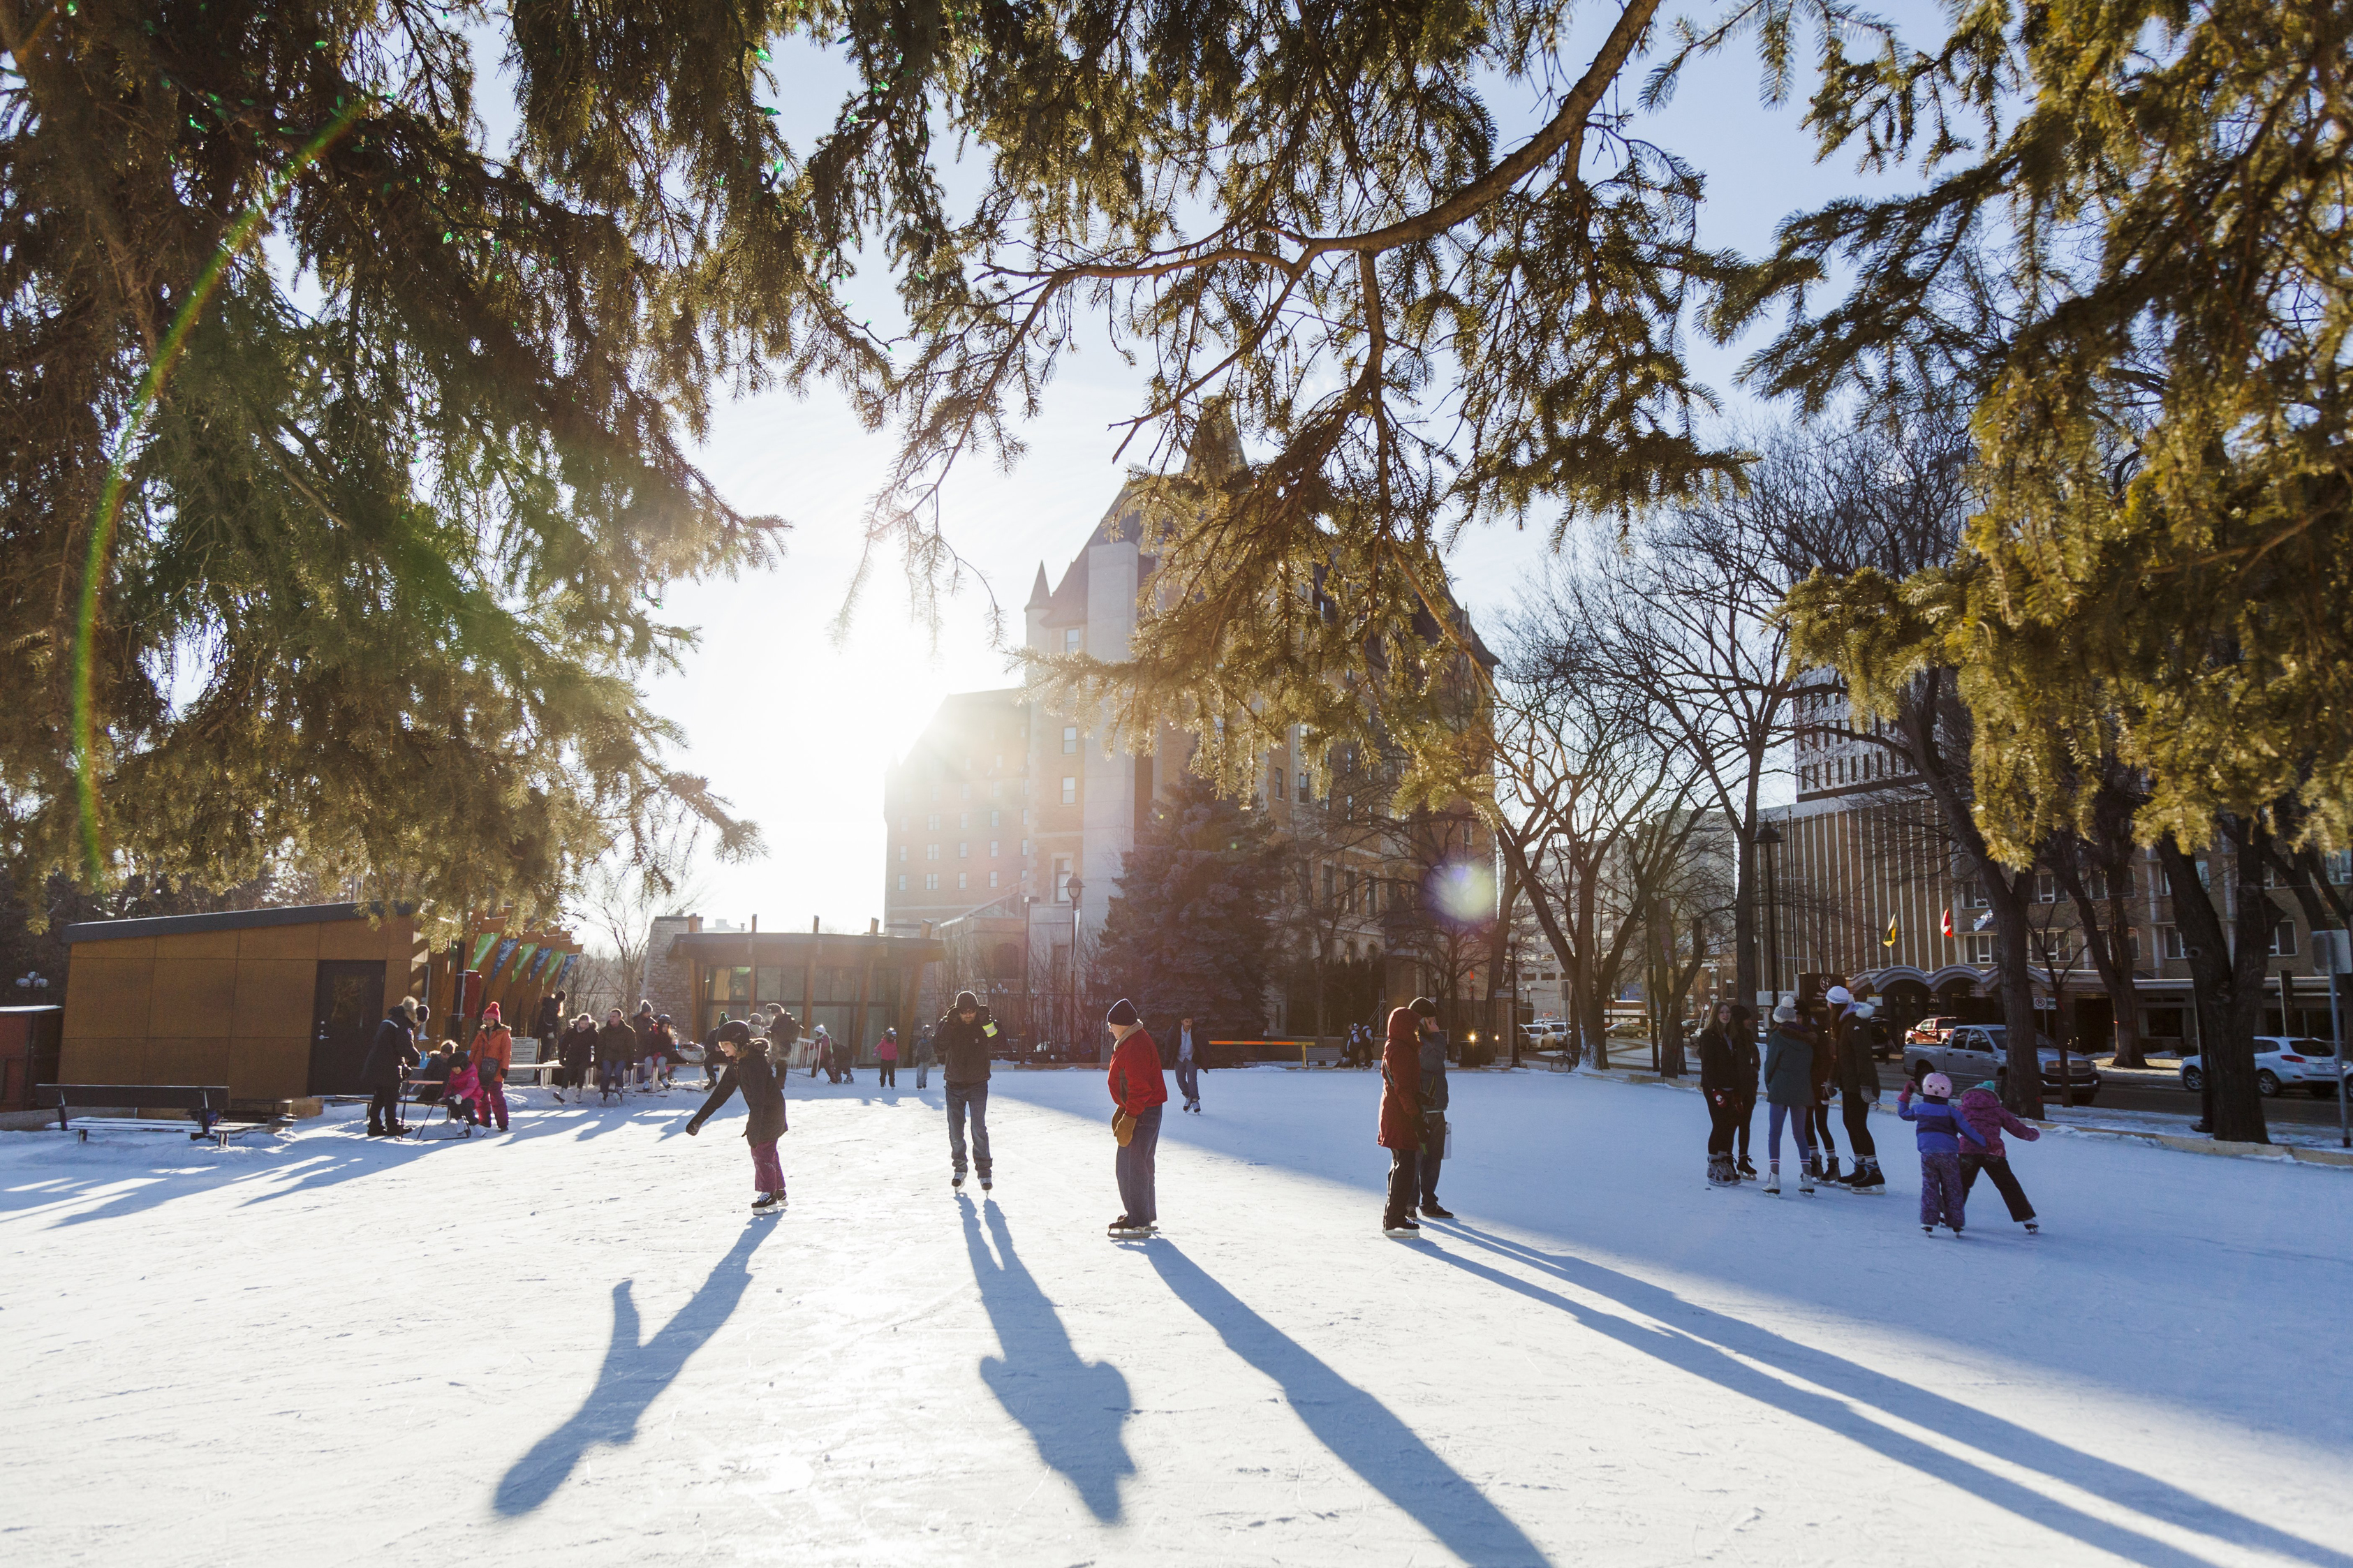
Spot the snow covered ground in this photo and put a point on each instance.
(574, 1346)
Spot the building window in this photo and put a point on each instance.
(2284, 939)
(1025, 850)
(1971, 894)
(1348, 892)
(964, 822)
(930, 851)
(2337, 866)
(2169, 944)
(1070, 790)
(1069, 740)
(961, 883)
(1062, 878)
(2046, 889)
(1981, 949)
(931, 882)
(1303, 783)
(992, 878)
(1329, 878)
(902, 854)
(932, 822)
(996, 819)
(1073, 639)
(1278, 784)
(903, 884)
(992, 849)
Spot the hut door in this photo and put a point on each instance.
(343, 1014)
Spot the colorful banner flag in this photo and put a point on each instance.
(1889, 940)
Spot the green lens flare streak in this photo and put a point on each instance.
(110, 502)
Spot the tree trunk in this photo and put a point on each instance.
(2111, 956)
(1744, 981)
(2022, 1090)
(2226, 982)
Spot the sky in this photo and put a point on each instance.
(796, 733)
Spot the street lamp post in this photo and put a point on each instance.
(1076, 887)
(1768, 838)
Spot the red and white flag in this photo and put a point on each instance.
(1948, 922)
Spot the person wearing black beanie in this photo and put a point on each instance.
(966, 1034)
(1141, 1095)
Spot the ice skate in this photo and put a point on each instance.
(987, 1182)
(769, 1202)
(1747, 1171)
(956, 1180)
(1773, 1179)
(1867, 1178)
(1720, 1171)
(2033, 1228)
(1830, 1176)
(1927, 1230)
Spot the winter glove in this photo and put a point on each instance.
(1122, 1127)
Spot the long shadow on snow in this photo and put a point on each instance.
(1074, 1408)
(1360, 1430)
(1714, 1348)
(632, 1377)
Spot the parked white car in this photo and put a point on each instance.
(2281, 1061)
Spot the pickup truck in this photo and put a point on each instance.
(1973, 1053)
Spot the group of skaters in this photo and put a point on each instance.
(1810, 1056)
(466, 1082)
(622, 1054)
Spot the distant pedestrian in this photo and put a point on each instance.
(648, 1029)
(1748, 1074)
(886, 1060)
(616, 1046)
(1140, 1094)
(576, 1052)
(1723, 1086)
(1855, 1075)
(1400, 1122)
(922, 1055)
(1982, 1108)
(749, 1070)
(493, 1055)
(392, 1051)
(964, 1038)
(548, 1025)
(1942, 1135)
(1188, 1067)
(1836, 1000)
(1432, 1095)
(1790, 1090)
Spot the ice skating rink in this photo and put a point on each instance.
(573, 1345)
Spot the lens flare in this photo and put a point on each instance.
(110, 501)
(1465, 892)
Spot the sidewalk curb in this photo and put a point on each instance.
(2277, 1154)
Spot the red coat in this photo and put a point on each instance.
(1135, 1080)
(1401, 1084)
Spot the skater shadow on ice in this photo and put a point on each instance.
(632, 1377)
(1720, 1349)
(1074, 1409)
(1358, 1429)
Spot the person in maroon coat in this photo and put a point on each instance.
(1141, 1094)
(1402, 1121)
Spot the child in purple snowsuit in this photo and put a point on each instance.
(1940, 1133)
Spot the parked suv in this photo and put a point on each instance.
(2280, 1061)
(1930, 1031)
(1972, 1053)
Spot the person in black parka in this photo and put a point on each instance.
(749, 1070)
(1727, 1081)
(393, 1049)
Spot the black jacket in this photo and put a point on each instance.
(963, 1047)
(1853, 1070)
(393, 1047)
(616, 1043)
(577, 1047)
(550, 1018)
(1722, 1068)
(764, 1097)
(1432, 1092)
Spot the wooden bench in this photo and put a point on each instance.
(206, 1104)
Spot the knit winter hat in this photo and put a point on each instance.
(1121, 1014)
(1938, 1084)
(1838, 996)
(1422, 1007)
(1864, 1010)
(1989, 1087)
(1787, 1013)
(490, 1013)
(965, 1001)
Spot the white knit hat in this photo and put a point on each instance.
(1838, 996)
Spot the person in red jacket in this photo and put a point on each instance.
(493, 1057)
(1402, 1121)
(1140, 1092)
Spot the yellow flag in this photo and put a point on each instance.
(1889, 940)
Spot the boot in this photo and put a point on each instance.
(1830, 1173)
(1866, 1177)
(1720, 1173)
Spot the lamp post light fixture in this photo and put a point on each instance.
(32, 980)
